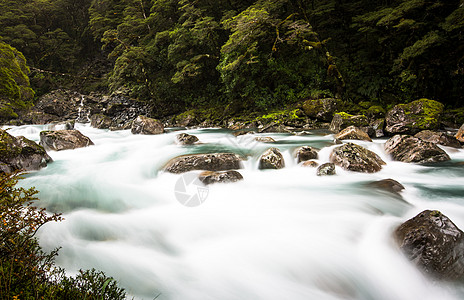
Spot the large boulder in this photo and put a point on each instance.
(353, 157)
(460, 134)
(146, 125)
(342, 120)
(353, 133)
(413, 117)
(322, 109)
(186, 139)
(63, 140)
(271, 159)
(326, 169)
(207, 162)
(19, 153)
(434, 243)
(305, 153)
(440, 138)
(209, 177)
(409, 149)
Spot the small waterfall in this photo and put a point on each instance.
(82, 115)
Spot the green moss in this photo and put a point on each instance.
(281, 116)
(344, 115)
(15, 92)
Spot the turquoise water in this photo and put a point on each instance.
(278, 234)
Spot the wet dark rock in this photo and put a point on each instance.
(207, 162)
(355, 158)
(440, 138)
(19, 153)
(209, 177)
(310, 163)
(353, 133)
(413, 117)
(434, 243)
(389, 185)
(326, 169)
(186, 139)
(101, 121)
(145, 125)
(63, 140)
(322, 109)
(342, 120)
(271, 159)
(305, 153)
(409, 149)
(378, 127)
(264, 139)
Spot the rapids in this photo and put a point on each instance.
(278, 234)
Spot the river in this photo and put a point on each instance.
(278, 234)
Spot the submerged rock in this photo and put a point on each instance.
(63, 140)
(186, 139)
(409, 149)
(207, 162)
(389, 185)
(271, 159)
(440, 138)
(146, 125)
(310, 163)
(434, 243)
(264, 139)
(209, 177)
(326, 169)
(66, 125)
(353, 157)
(305, 153)
(353, 133)
(413, 117)
(19, 153)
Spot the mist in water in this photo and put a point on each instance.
(278, 234)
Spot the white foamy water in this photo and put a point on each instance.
(278, 234)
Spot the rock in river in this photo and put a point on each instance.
(19, 153)
(353, 133)
(207, 162)
(271, 159)
(209, 177)
(186, 139)
(326, 169)
(434, 243)
(406, 148)
(305, 153)
(413, 117)
(145, 125)
(353, 157)
(440, 138)
(63, 140)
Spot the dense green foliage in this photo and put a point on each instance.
(15, 92)
(26, 272)
(179, 54)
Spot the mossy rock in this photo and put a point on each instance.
(343, 120)
(321, 109)
(20, 154)
(375, 112)
(453, 117)
(413, 117)
(282, 116)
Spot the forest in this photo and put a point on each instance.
(261, 55)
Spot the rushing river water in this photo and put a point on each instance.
(278, 234)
